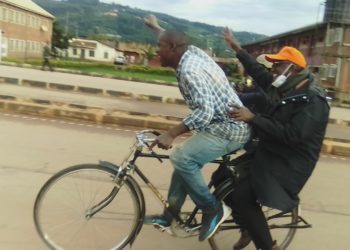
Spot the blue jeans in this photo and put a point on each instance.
(188, 160)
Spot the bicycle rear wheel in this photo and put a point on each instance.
(281, 224)
(81, 207)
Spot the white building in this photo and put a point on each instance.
(92, 50)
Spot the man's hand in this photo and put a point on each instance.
(241, 114)
(164, 141)
(230, 39)
(152, 22)
(228, 36)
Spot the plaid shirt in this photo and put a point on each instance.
(208, 94)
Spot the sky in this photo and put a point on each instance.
(268, 17)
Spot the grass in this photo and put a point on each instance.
(129, 74)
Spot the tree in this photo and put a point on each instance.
(59, 38)
(149, 54)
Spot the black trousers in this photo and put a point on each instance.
(46, 63)
(248, 214)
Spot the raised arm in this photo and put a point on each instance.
(152, 22)
(257, 71)
(231, 40)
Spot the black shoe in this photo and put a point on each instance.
(212, 221)
(243, 241)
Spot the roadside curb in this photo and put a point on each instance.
(336, 148)
(111, 93)
(91, 114)
(71, 88)
(339, 122)
(141, 120)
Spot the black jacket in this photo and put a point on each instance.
(291, 134)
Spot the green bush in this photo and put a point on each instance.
(151, 70)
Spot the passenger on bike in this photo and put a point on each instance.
(291, 131)
(207, 93)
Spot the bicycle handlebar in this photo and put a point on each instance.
(144, 140)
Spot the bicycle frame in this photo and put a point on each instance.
(129, 166)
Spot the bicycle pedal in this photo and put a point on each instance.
(162, 228)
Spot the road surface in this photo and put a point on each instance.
(32, 149)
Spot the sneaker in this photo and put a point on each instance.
(156, 220)
(212, 221)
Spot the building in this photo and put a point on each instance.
(326, 46)
(136, 52)
(92, 50)
(25, 28)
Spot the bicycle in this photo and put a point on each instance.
(101, 206)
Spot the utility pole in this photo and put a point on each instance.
(67, 22)
(76, 30)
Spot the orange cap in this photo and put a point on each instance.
(288, 54)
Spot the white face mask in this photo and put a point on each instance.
(281, 79)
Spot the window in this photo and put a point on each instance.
(17, 17)
(75, 52)
(324, 71)
(332, 72)
(22, 45)
(105, 55)
(23, 19)
(31, 23)
(11, 16)
(4, 14)
(330, 34)
(338, 35)
(91, 53)
(334, 36)
(11, 45)
(4, 48)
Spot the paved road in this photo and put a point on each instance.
(91, 100)
(88, 81)
(32, 149)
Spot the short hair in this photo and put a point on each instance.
(175, 38)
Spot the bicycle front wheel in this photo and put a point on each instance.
(82, 207)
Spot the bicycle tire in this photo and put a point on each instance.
(226, 187)
(118, 210)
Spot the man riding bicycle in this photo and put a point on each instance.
(207, 92)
